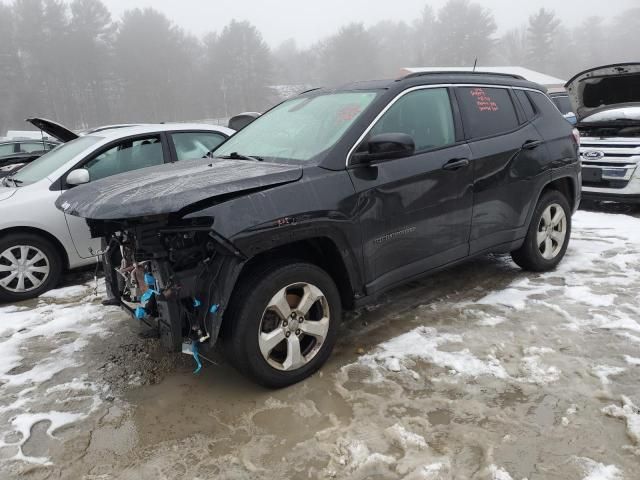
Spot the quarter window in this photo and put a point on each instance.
(194, 145)
(6, 149)
(425, 115)
(487, 111)
(529, 111)
(128, 155)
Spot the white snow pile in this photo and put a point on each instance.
(40, 376)
(422, 344)
(598, 471)
(498, 473)
(631, 414)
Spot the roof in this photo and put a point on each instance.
(119, 131)
(530, 75)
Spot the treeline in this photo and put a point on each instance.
(75, 63)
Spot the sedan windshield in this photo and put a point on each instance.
(298, 129)
(53, 160)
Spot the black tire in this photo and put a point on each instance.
(529, 256)
(53, 258)
(243, 321)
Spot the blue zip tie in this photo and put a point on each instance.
(146, 296)
(149, 280)
(214, 308)
(140, 312)
(196, 357)
(196, 303)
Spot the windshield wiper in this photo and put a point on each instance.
(238, 156)
(15, 181)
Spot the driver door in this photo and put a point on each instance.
(120, 157)
(415, 212)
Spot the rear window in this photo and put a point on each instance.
(563, 103)
(487, 111)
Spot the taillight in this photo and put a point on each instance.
(576, 136)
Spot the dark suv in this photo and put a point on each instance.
(329, 199)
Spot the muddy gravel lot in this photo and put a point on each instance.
(480, 372)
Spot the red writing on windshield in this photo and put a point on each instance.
(349, 112)
(483, 100)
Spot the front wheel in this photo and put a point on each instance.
(548, 235)
(282, 324)
(29, 266)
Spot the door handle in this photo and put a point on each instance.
(531, 144)
(456, 164)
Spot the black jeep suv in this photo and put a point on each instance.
(329, 199)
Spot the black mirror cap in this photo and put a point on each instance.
(387, 146)
(241, 120)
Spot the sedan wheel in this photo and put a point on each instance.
(29, 266)
(294, 326)
(23, 268)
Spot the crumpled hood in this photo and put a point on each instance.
(602, 88)
(170, 188)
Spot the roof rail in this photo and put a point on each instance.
(460, 72)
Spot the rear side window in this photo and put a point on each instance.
(487, 111)
(34, 147)
(193, 145)
(523, 98)
(543, 103)
(424, 115)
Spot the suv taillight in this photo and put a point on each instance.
(576, 136)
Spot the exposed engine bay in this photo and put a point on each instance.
(172, 277)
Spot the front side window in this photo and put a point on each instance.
(424, 115)
(487, 111)
(194, 145)
(6, 149)
(130, 154)
(299, 129)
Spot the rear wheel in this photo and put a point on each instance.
(282, 324)
(548, 235)
(29, 266)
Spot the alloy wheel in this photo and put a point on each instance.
(294, 326)
(552, 231)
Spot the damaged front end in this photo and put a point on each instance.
(174, 275)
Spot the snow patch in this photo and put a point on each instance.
(628, 412)
(598, 471)
(499, 473)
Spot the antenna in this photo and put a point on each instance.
(474, 65)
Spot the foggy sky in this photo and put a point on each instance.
(307, 21)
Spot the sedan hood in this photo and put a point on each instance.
(602, 88)
(54, 129)
(170, 188)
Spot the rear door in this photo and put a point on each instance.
(415, 212)
(509, 155)
(118, 157)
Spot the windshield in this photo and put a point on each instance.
(299, 129)
(53, 160)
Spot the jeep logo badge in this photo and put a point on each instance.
(593, 155)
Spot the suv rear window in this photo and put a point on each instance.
(487, 111)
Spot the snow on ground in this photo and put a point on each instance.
(39, 346)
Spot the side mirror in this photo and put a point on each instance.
(387, 146)
(78, 176)
(241, 120)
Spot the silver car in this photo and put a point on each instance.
(37, 241)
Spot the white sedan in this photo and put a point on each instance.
(37, 241)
